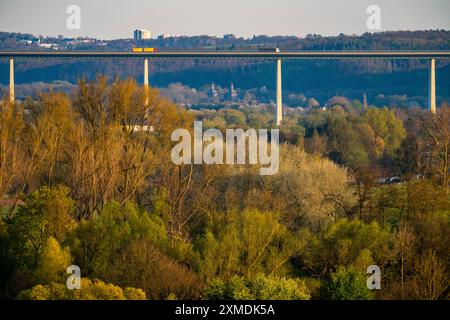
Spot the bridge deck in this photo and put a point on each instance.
(234, 55)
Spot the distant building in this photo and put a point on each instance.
(23, 41)
(142, 34)
(213, 91)
(229, 37)
(48, 45)
(233, 93)
(166, 36)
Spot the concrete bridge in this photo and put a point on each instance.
(277, 56)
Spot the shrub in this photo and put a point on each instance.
(347, 284)
(90, 290)
(259, 287)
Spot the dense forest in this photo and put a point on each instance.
(79, 184)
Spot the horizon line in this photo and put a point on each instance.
(237, 36)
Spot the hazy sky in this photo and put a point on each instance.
(108, 19)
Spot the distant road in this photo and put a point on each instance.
(234, 55)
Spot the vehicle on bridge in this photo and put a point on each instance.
(270, 49)
(148, 50)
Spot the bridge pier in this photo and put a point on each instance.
(279, 107)
(146, 73)
(11, 80)
(432, 86)
(146, 86)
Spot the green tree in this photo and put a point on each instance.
(48, 212)
(96, 242)
(234, 118)
(90, 290)
(257, 287)
(347, 284)
(247, 243)
(53, 263)
(387, 126)
(349, 243)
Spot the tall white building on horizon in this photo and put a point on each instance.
(142, 34)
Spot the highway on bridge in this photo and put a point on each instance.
(234, 55)
(275, 55)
